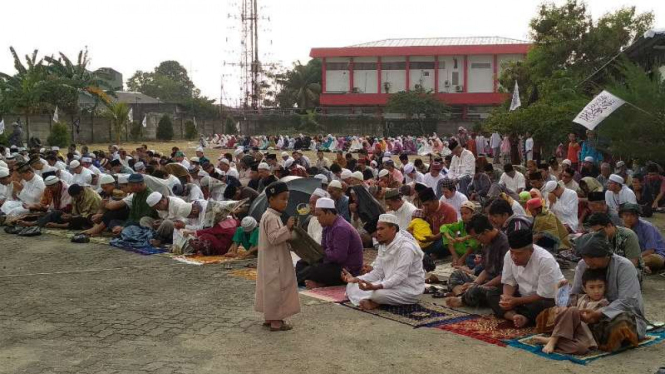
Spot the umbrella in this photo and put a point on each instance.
(176, 169)
(368, 208)
(301, 189)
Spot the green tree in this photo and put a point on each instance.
(165, 128)
(419, 108)
(191, 132)
(300, 86)
(136, 130)
(25, 90)
(59, 135)
(229, 126)
(118, 113)
(169, 82)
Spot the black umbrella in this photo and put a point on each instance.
(300, 190)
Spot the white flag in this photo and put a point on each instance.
(598, 109)
(2, 126)
(55, 115)
(238, 126)
(130, 115)
(196, 126)
(145, 121)
(516, 103)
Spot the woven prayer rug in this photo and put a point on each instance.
(335, 294)
(527, 344)
(489, 329)
(203, 260)
(423, 314)
(246, 273)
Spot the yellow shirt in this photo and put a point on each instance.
(420, 229)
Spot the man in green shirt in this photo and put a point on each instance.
(623, 241)
(246, 235)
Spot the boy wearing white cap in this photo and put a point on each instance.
(397, 278)
(247, 236)
(618, 193)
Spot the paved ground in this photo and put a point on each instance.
(88, 308)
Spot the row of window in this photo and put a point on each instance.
(415, 65)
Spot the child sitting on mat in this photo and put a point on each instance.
(570, 335)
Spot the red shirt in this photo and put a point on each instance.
(573, 152)
(444, 215)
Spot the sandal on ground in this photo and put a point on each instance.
(285, 327)
(440, 294)
(431, 290)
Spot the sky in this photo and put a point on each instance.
(203, 35)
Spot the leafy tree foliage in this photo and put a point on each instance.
(300, 86)
(191, 132)
(229, 126)
(118, 113)
(59, 135)
(165, 128)
(420, 109)
(169, 82)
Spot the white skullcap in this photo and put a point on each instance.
(74, 164)
(4, 172)
(238, 151)
(373, 163)
(588, 159)
(322, 178)
(616, 179)
(153, 199)
(389, 218)
(199, 149)
(55, 148)
(42, 150)
(86, 159)
(139, 166)
(566, 162)
(106, 179)
(409, 168)
(289, 162)
(123, 178)
(357, 175)
(194, 159)
(383, 173)
(335, 184)
(263, 166)
(620, 164)
(346, 174)
(248, 224)
(284, 154)
(225, 161)
(233, 173)
(550, 186)
(325, 203)
(320, 192)
(184, 210)
(386, 159)
(51, 180)
(387, 154)
(3, 164)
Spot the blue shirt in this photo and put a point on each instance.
(342, 207)
(343, 246)
(649, 237)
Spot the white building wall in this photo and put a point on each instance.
(337, 80)
(420, 76)
(451, 74)
(395, 79)
(481, 73)
(365, 81)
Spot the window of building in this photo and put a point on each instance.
(421, 65)
(481, 65)
(364, 66)
(454, 63)
(442, 64)
(455, 78)
(393, 66)
(337, 66)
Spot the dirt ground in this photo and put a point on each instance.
(88, 308)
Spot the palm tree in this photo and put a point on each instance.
(302, 84)
(118, 113)
(26, 89)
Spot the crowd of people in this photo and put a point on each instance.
(506, 220)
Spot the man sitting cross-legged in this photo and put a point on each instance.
(530, 275)
(468, 289)
(397, 278)
(342, 246)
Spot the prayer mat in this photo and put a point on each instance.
(653, 337)
(203, 260)
(443, 271)
(246, 273)
(70, 234)
(423, 314)
(489, 329)
(369, 255)
(335, 294)
(146, 251)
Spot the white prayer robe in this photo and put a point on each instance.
(418, 177)
(456, 201)
(431, 181)
(404, 214)
(565, 208)
(464, 165)
(83, 179)
(399, 268)
(540, 275)
(515, 184)
(614, 200)
(314, 229)
(172, 212)
(197, 222)
(195, 193)
(30, 194)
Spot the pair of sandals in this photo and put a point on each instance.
(437, 293)
(23, 231)
(284, 327)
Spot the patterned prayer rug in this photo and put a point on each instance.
(527, 344)
(203, 260)
(489, 329)
(246, 273)
(423, 314)
(335, 294)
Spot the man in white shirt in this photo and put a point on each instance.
(26, 193)
(528, 146)
(530, 276)
(481, 144)
(450, 195)
(314, 228)
(86, 162)
(80, 175)
(495, 143)
(618, 193)
(462, 166)
(167, 208)
(432, 178)
(397, 277)
(413, 175)
(512, 179)
(401, 209)
(563, 202)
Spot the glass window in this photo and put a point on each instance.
(481, 65)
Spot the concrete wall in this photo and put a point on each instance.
(451, 73)
(419, 76)
(365, 80)
(396, 79)
(481, 73)
(337, 80)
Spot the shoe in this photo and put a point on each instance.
(30, 231)
(285, 327)
(13, 229)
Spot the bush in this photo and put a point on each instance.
(59, 135)
(191, 132)
(165, 128)
(4, 140)
(136, 131)
(229, 126)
